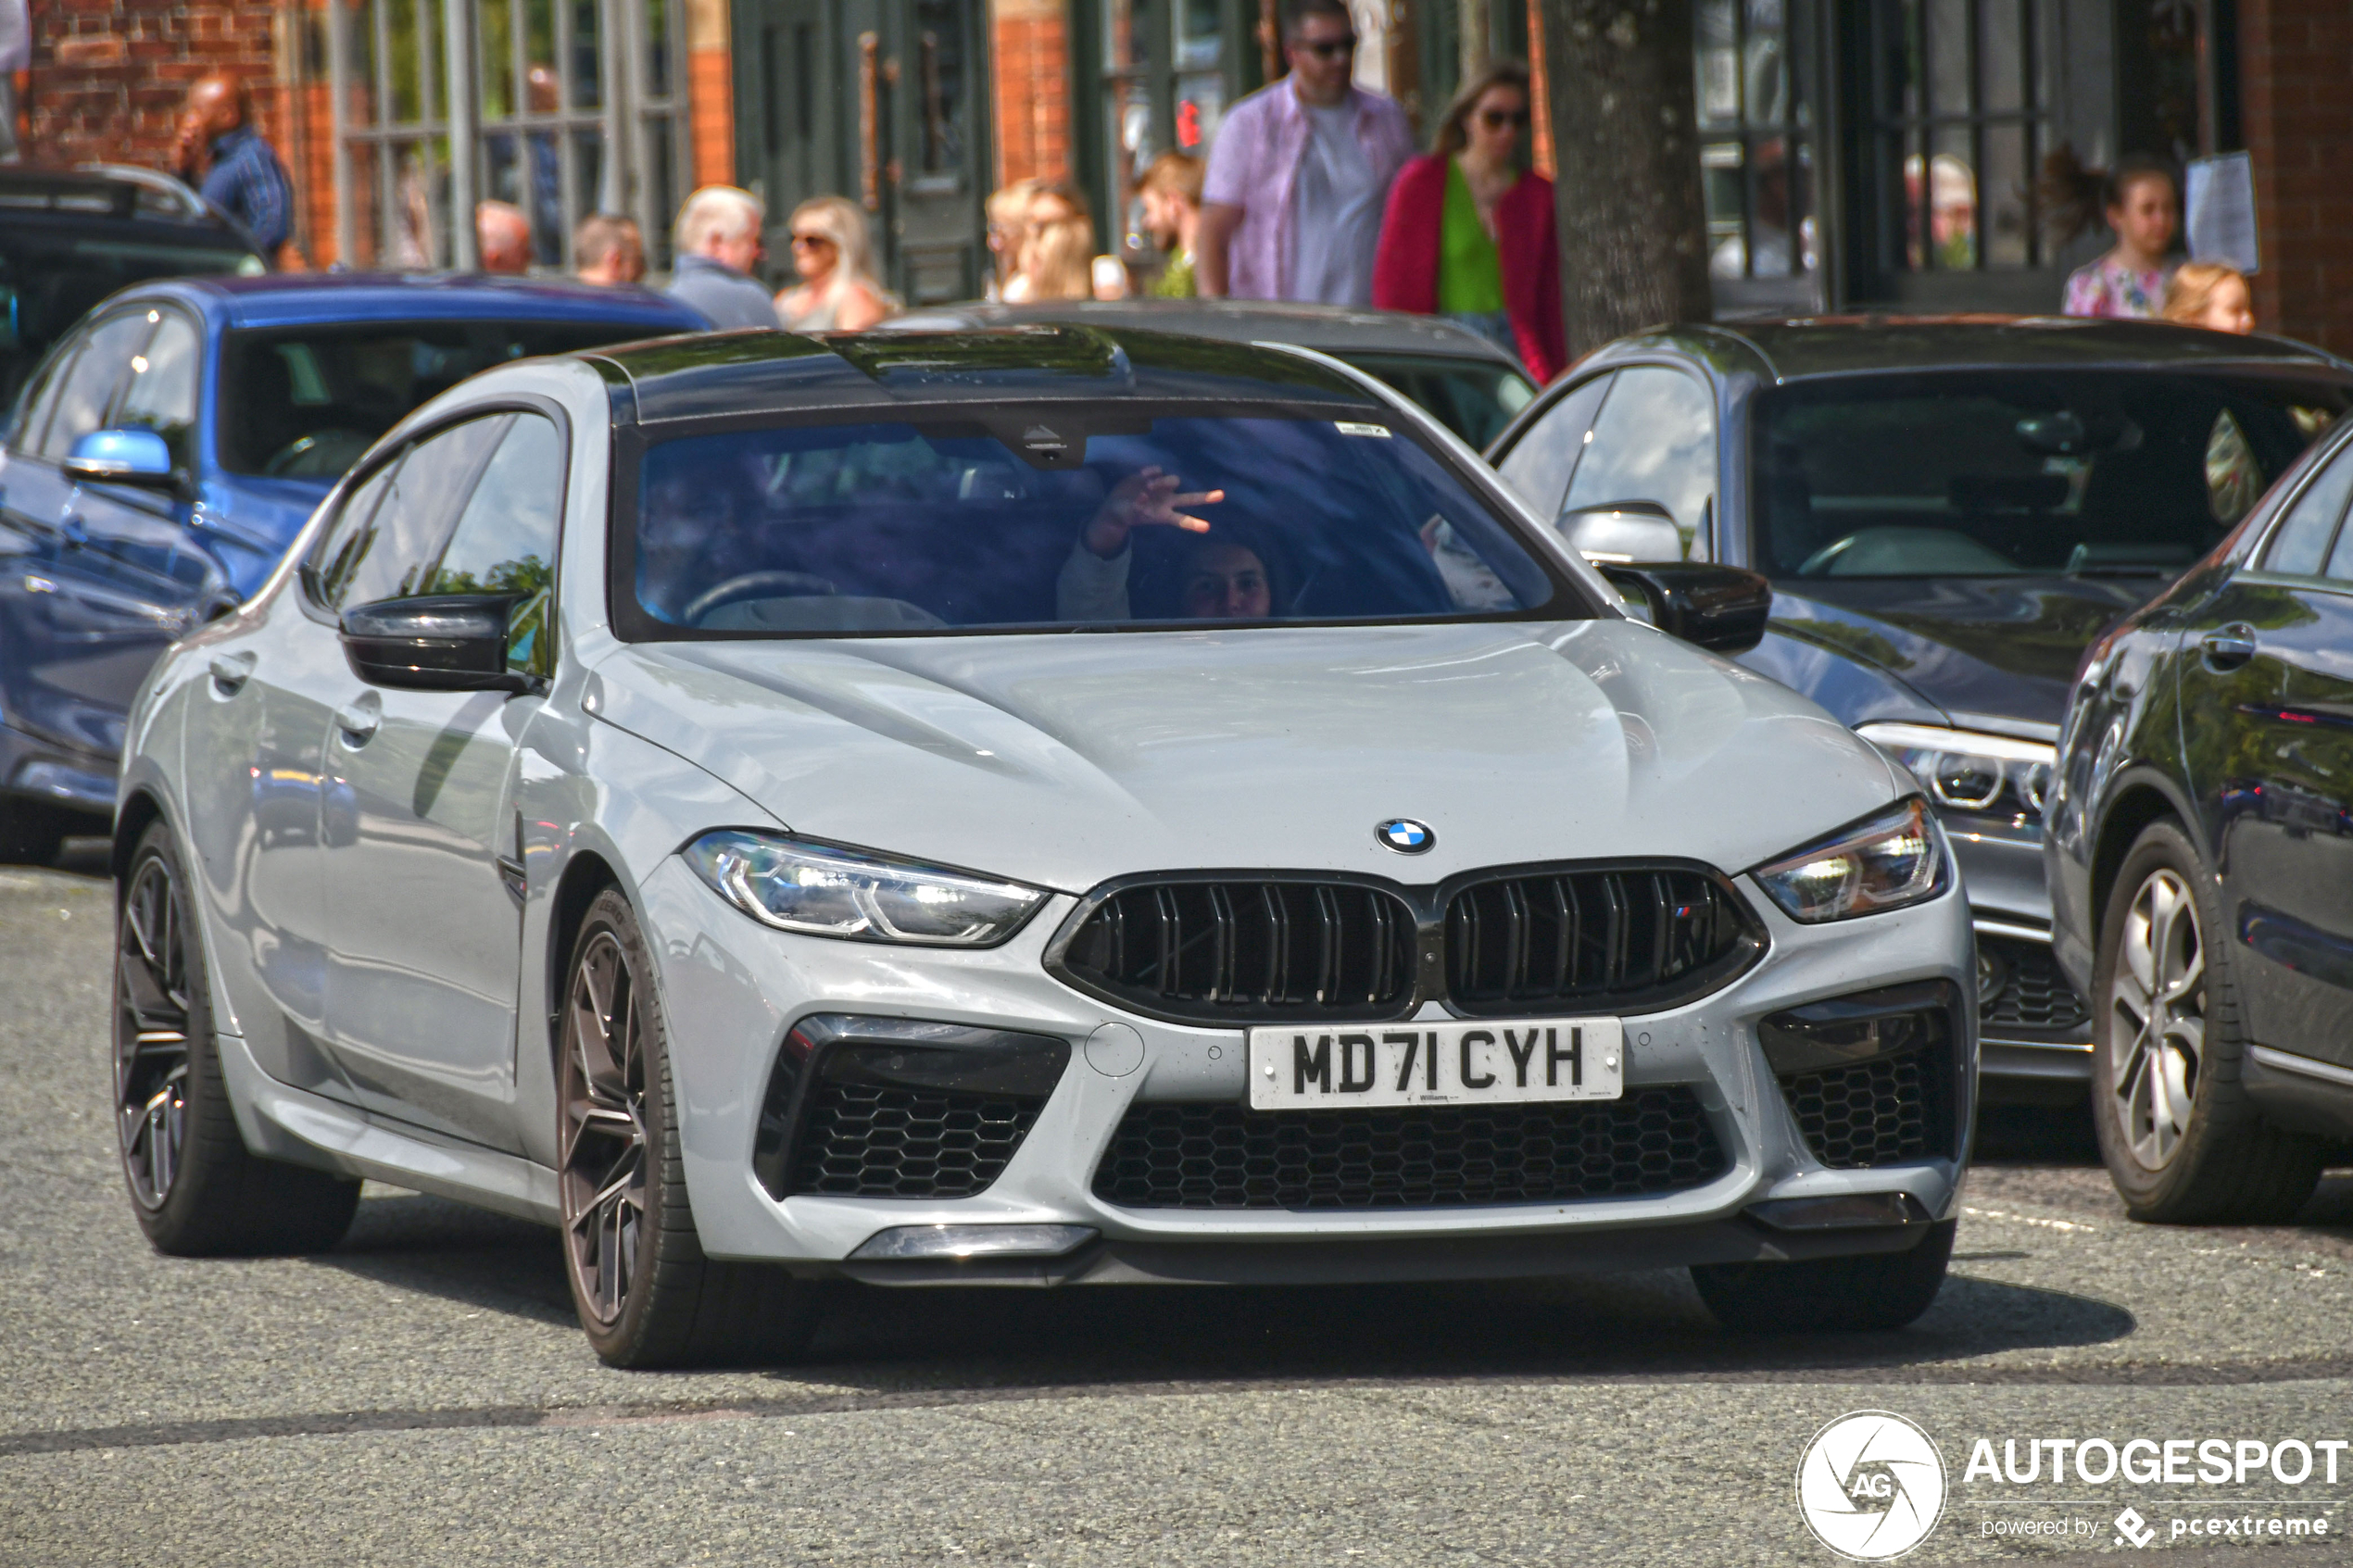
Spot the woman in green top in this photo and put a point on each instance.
(1470, 233)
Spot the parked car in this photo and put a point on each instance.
(893, 843)
(2201, 865)
(1471, 386)
(70, 237)
(1950, 512)
(167, 449)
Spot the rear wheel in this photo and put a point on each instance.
(196, 1187)
(1880, 1291)
(645, 1294)
(2180, 1138)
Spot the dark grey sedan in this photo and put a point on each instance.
(1950, 512)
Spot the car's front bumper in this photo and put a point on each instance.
(2033, 1031)
(732, 989)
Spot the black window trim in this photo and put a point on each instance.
(630, 623)
(2332, 446)
(394, 451)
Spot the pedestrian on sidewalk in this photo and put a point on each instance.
(502, 239)
(718, 244)
(1470, 233)
(221, 153)
(2143, 207)
(2209, 295)
(607, 249)
(834, 254)
(1170, 190)
(1300, 175)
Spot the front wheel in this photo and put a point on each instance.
(196, 1189)
(2181, 1140)
(645, 1294)
(1872, 1293)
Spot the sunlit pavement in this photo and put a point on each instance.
(420, 1395)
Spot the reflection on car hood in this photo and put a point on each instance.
(1066, 760)
(2004, 647)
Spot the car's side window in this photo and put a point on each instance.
(1654, 440)
(2301, 541)
(89, 387)
(390, 555)
(1539, 464)
(40, 396)
(505, 542)
(331, 558)
(162, 392)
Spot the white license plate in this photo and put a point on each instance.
(1464, 1063)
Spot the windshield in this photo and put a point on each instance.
(50, 277)
(2088, 474)
(1475, 398)
(305, 403)
(1024, 520)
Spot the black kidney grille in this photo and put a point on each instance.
(1872, 1114)
(876, 1140)
(1230, 1157)
(1599, 937)
(1230, 949)
(2035, 993)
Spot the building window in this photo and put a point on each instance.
(1756, 95)
(1167, 73)
(574, 109)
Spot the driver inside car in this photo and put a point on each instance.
(1221, 578)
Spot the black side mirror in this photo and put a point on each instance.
(445, 642)
(1721, 609)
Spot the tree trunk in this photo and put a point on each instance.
(1633, 224)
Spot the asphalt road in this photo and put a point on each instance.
(421, 1397)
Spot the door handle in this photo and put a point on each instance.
(358, 718)
(230, 672)
(2228, 649)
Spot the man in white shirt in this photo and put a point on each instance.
(1300, 173)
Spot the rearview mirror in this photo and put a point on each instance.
(1623, 530)
(446, 642)
(1720, 609)
(123, 457)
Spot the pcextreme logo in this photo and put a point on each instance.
(1871, 1485)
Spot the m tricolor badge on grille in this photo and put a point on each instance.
(1405, 835)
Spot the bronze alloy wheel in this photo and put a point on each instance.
(604, 1128)
(645, 1295)
(2157, 1014)
(153, 1004)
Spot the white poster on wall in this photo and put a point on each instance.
(2220, 198)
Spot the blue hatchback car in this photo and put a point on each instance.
(170, 445)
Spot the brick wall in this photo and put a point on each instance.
(1032, 50)
(108, 75)
(2296, 62)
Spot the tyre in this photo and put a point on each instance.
(645, 1294)
(30, 833)
(196, 1187)
(1869, 1294)
(2180, 1138)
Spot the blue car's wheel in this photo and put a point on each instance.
(196, 1189)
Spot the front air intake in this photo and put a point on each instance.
(1616, 940)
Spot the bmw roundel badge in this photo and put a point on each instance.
(1405, 835)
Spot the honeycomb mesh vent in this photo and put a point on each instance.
(1230, 1157)
(2034, 994)
(871, 1140)
(1872, 1114)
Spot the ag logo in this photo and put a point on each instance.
(1871, 1485)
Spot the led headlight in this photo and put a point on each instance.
(822, 891)
(1966, 769)
(1885, 862)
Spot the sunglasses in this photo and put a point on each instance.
(1331, 49)
(1495, 120)
(799, 240)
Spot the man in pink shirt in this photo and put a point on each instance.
(1292, 207)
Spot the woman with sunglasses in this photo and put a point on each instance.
(1470, 231)
(837, 291)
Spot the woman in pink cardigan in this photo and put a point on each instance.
(1469, 234)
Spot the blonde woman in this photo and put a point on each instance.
(2205, 294)
(835, 259)
(1057, 221)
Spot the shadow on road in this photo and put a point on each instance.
(1632, 1325)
